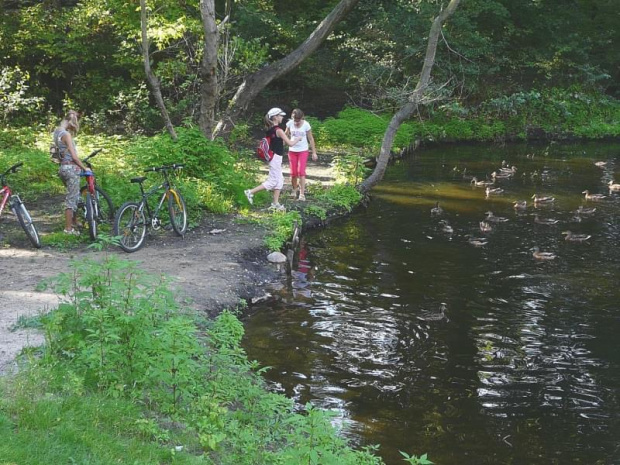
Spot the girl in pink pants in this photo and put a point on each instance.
(297, 126)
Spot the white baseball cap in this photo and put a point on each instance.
(274, 112)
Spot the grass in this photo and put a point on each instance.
(79, 429)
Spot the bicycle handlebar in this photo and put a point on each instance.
(174, 166)
(13, 169)
(94, 153)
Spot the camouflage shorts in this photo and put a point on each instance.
(70, 176)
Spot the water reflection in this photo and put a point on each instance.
(425, 343)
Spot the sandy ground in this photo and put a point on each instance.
(214, 266)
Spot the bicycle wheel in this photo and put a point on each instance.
(105, 210)
(130, 226)
(91, 216)
(26, 223)
(177, 211)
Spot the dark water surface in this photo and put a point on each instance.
(423, 342)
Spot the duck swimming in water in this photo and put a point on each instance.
(436, 210)
(445, 227)
(585, 210)
(496, 191)
(538, 255)
(547, 221)
(600, 164)
(495, 219)
(570, 237)
(594, 197)
(485, 227)
(542, 200)
(477, 183)
(478, 241)
(520, 205)
(613, 186)
(501, 175)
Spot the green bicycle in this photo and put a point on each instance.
(133, 218)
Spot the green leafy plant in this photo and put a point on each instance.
(415, 460)
(280, 227)
(317, 211)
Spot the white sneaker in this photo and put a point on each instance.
(277, 207)
(302, 198)
(294, 194)
(249, 196)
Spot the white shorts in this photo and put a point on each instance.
(275, 181)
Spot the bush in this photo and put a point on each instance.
(119, 336)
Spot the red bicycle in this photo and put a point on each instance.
(17, 207)
(94, 202)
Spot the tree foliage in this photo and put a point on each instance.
(87, 54)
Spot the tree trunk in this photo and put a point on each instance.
(257, 81)
(150, 75)
(208, 70)
(414, 100)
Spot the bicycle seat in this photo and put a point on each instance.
(138, 180)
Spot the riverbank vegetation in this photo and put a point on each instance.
(129, 376)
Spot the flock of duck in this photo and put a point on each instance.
(487, 225)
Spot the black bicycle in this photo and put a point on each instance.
(95, 203)
(133, 218)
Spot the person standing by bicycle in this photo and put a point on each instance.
(70, 166)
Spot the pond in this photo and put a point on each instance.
(424, 334)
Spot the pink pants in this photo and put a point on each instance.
(298, 162)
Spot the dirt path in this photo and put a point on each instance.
(211, 271)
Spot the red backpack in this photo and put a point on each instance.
(262, 151)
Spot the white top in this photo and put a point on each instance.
(302, 131)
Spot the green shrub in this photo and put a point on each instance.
(127, 375)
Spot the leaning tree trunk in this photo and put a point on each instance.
(414, 100)
(257, 81)
(208, 70)
(150, 75)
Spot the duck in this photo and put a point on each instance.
(548, 221)
(600, 164)
(495, 219)
(435, 316)
(477, 183)
(539, 200)
(495, 191)
(585, 210)
(445, 227)
(520, 205)
(571, 237)
(485, 227)
(501, 175)
(478, 241)
(436, 210)
(594, 197)
(505, 170)
(466, 176)
(613, 186)
(538, 255)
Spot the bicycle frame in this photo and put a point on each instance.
(133, 219)
(6, 193)
(144, 204)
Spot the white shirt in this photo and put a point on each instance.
(302, 131)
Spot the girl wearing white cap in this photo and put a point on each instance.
(275, 181)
